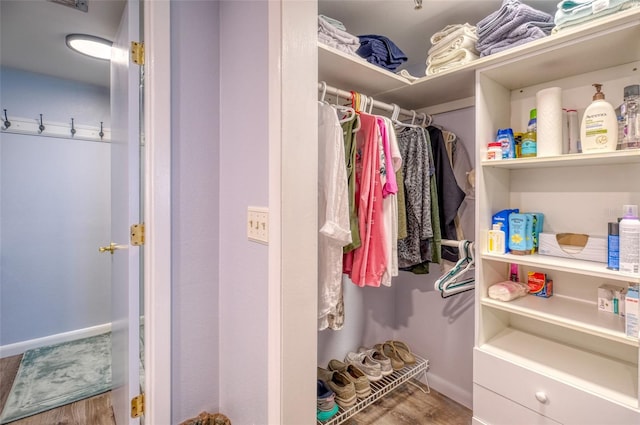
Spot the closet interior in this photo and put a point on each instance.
(559, 360)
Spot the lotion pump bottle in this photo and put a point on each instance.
(599, 128)
(629, 230)
(496, 240)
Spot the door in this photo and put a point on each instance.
(125, 211)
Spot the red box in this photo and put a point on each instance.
(539, 284)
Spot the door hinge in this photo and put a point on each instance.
(137, 406)
(137, 234)
(137, 53)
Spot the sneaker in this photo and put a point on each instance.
(379, 357)
(339, 383)
(325, 416)
(389, 350)
(326, 397)
(359, 379)
(366, 364)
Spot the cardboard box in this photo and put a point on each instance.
(611, 298)
(574, 245)
(539, 284)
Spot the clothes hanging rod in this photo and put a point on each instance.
(376, 103)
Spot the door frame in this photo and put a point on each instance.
(157, 212)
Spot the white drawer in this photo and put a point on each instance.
(490, 408)
(547, 396)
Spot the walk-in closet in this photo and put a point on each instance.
(453, 331)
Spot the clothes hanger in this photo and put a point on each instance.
(450, 284)
(394, 118)
(324, 91)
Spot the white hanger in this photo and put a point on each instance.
(394, 118)
(449, 283)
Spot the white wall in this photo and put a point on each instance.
(55, 197)
(244, 156)
(195, 202)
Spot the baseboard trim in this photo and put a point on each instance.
(445, 387)
(22, 346)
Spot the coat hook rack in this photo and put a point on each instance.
(101, 134)
(41, 126)
(7, 123)
(73, 129)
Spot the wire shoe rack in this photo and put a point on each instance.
(382, 387)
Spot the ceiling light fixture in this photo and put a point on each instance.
(90, 45)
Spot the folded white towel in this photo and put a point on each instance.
(465, 28)
(454, 59)
(344, 37)
(404, 73)
(330, 41)
(459, 42)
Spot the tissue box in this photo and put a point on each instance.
(611, 298)
(574, 245)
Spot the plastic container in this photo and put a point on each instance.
(629, 229)
(631, 135)
(613, 246)
(494, 151)
(508, 143)
(529, 146)
(599, 127)
(496, 242)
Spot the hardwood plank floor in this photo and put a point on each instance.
(408, 405)
(96, 410)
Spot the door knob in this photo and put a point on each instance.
(112, 247)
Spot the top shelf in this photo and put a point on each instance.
(612, 41)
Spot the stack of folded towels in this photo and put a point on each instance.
(333, 33)
(453, 46)
(573, 12)
(379, 50)
(512, 25)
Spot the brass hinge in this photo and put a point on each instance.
(137, 52)
(137, 406)
(137, 234)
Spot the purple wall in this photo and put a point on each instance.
(244, 171)
(195, 207)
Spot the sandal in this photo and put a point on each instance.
(404, 352)
(389, 350)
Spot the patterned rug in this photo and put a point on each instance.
(59, 374)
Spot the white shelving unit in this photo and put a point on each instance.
(557, 359)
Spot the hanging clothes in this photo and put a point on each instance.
(366, 264)
(417, 190)
(450, 196)
(333, 218)
(350, 164)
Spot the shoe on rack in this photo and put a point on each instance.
(339, 383)
(359, 379)
(366, 364)
(379, 357)
(326, 407)
(404, 352)
(326, 397)
(389, 350)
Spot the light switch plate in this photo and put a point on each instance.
(258, 224)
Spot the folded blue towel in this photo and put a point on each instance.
(525, 33)
(583, 10)
(381, 51)
(498, 26)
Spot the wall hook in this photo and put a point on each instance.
(73, 128)
(41, 126)
(7, 123)
(101, 134)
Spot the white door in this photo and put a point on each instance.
(125, 211)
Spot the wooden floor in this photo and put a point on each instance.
(406, 405)
(92, 411)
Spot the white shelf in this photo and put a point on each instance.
(631, 156)
(379, 389)
(569, 313)
(566, 53)
(569, 265)
(598, 374)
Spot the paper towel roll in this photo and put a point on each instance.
(549, 106)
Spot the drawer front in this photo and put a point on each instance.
(490, 408)
(547, 396)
